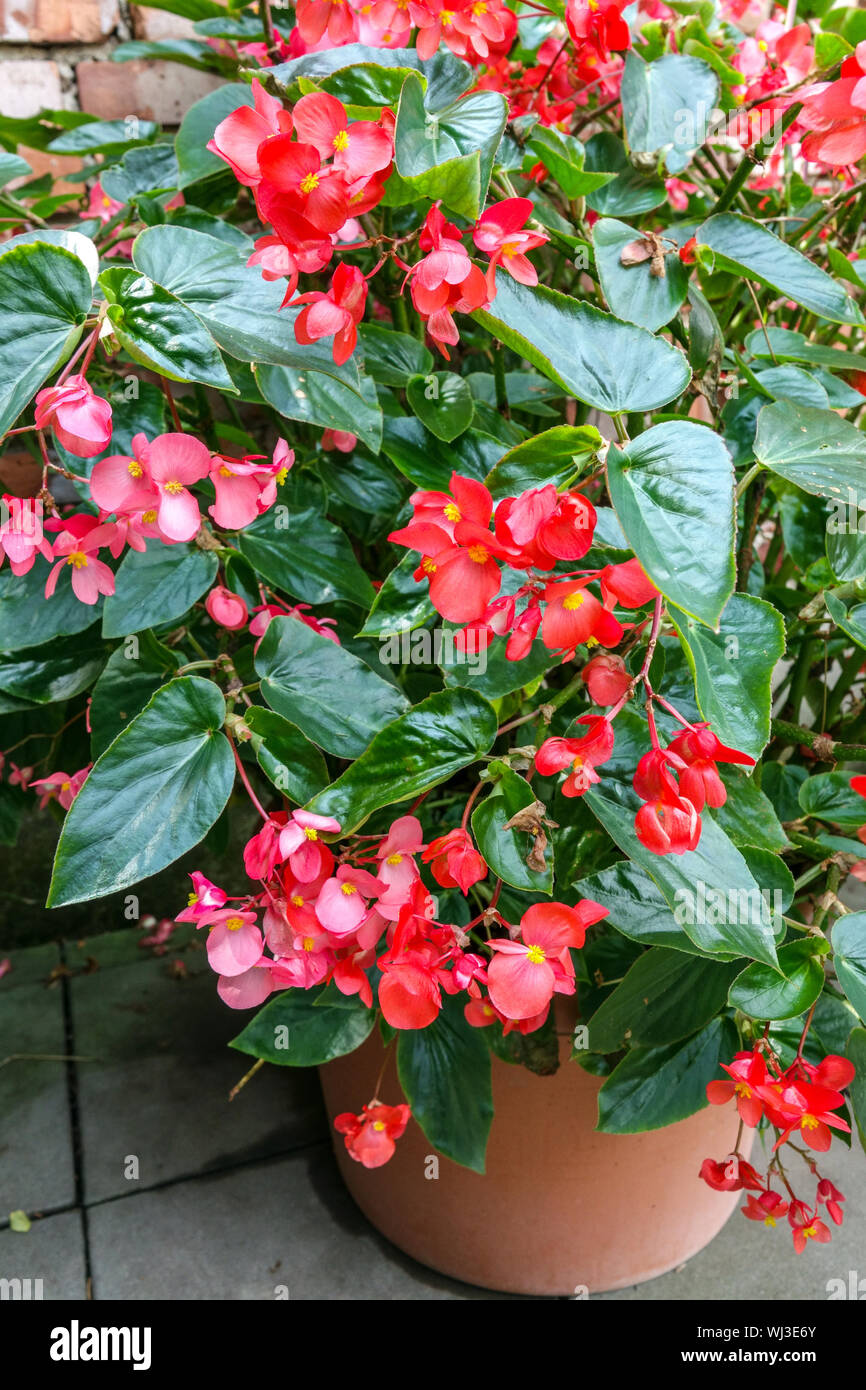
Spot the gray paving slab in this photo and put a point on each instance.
(747, 1261)
(51, 1251)
(158, 1088)
(36, 1163)
(28, 966)
(281, 1229)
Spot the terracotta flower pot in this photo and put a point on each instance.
(561, 1207)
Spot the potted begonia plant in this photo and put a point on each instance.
(450, 454)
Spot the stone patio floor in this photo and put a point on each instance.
(143, 1181)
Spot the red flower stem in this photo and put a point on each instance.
(87, 346)
(171, 405)
(806, 1027)
(246, 781)
(665, 704)
(473, 797)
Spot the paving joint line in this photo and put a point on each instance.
(74, 1116)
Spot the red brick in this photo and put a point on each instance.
(41, 162)
(155, 91)
(57, 21)
(28, 86)
(156, 25)
(20, 474)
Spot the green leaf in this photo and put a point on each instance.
(425, 746)
(445, 76)
(52, 673)
(506, 851)
(150, 169)
(67, 238)
(444, 1071)
(789, 383)
(672, 489)
(331, 695)
(390, 358)
(848, 615)
(856, 1053)
(160, 332)
(745, 247)
(320, 399)
(491, 673)
(638, 910)
(285, 755)
(632, 291)
(448, 153)
(563, 156)
(748, 816)
(830, 796)
(604, 362)
(733, 668)
(630, 192)
(192, 53)
(846, 547)
(132, 676)
(665, 996)
(12, 166)
(665, 106)
(240, 309)
(428, 462)
(401, 605)
(104, 137)
(46, 293)
(656, 1086)
(27, 618)
(309, 557)
(153, 795)
(194, 159)
(700, 886)
(788, 346)
(554, 456)
(293, 1030)
(763, 993)
(157, 586)
(443, 403)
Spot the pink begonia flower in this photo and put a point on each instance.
(204, 898)
(299, 842)
(80, 420)
(396, 867)
(335, 314)
(524, 975)
(499, 233)
(5, 966)
(237, 487)
(21, 535)
(235, 942)
(262, 851)
(90, 576)
(62, 786)
(227, 609)
(341, 440)
(341, 906)
(121, 484)
(176, 460)
(248, 990)
(239, 138)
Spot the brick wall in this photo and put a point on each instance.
(57, 53)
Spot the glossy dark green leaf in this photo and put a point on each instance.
(442, 402)
(402, 604)
(156, 586)
(55, 672)
(633, 291)
(444, 1071)
(507, 851)
(673, 491)
(745, 247)
(733, 669)
(239, 308)
(292, 1030)
(492, 674)
(564, 157)
(307, 556)
(27, 618)
(656, 1086)
(45, 292)
(665, 996)
(830, 797)
(133, 674)
(710, 890)
(319, 399)
(763, 993)
(554, 456)
(285, 755)
(856, 1053)
(426, 745)
(601, 360)
(665, 105)
(195, 160)
(391, 357)
(104, 137)
(448, 153)
(748, 816)
(160, 332)
(331, 695)
(428, 462)
(153, 795)
(444, 76)
(638, 909)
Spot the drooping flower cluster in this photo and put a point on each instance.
(799, 1101)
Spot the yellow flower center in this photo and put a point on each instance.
(297, 900)
(174, 487)
(78, 560)
(573, 601)
(281, 476)
(741, 1089)
(234, 923)
(310, 833)
(769, 1220)
(225, 472)
(447, 18)
(309, 182)
(451, 512)
(148, 517)
(809, 1122)
(348, 889)
(134, 469)
(762, 44)
(478, 554)
(394, 859)
(535, 955)
(428, 565)
(341, 140)
(809, 1232)
(192, 900)
(378, 1125)
(308, 943)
